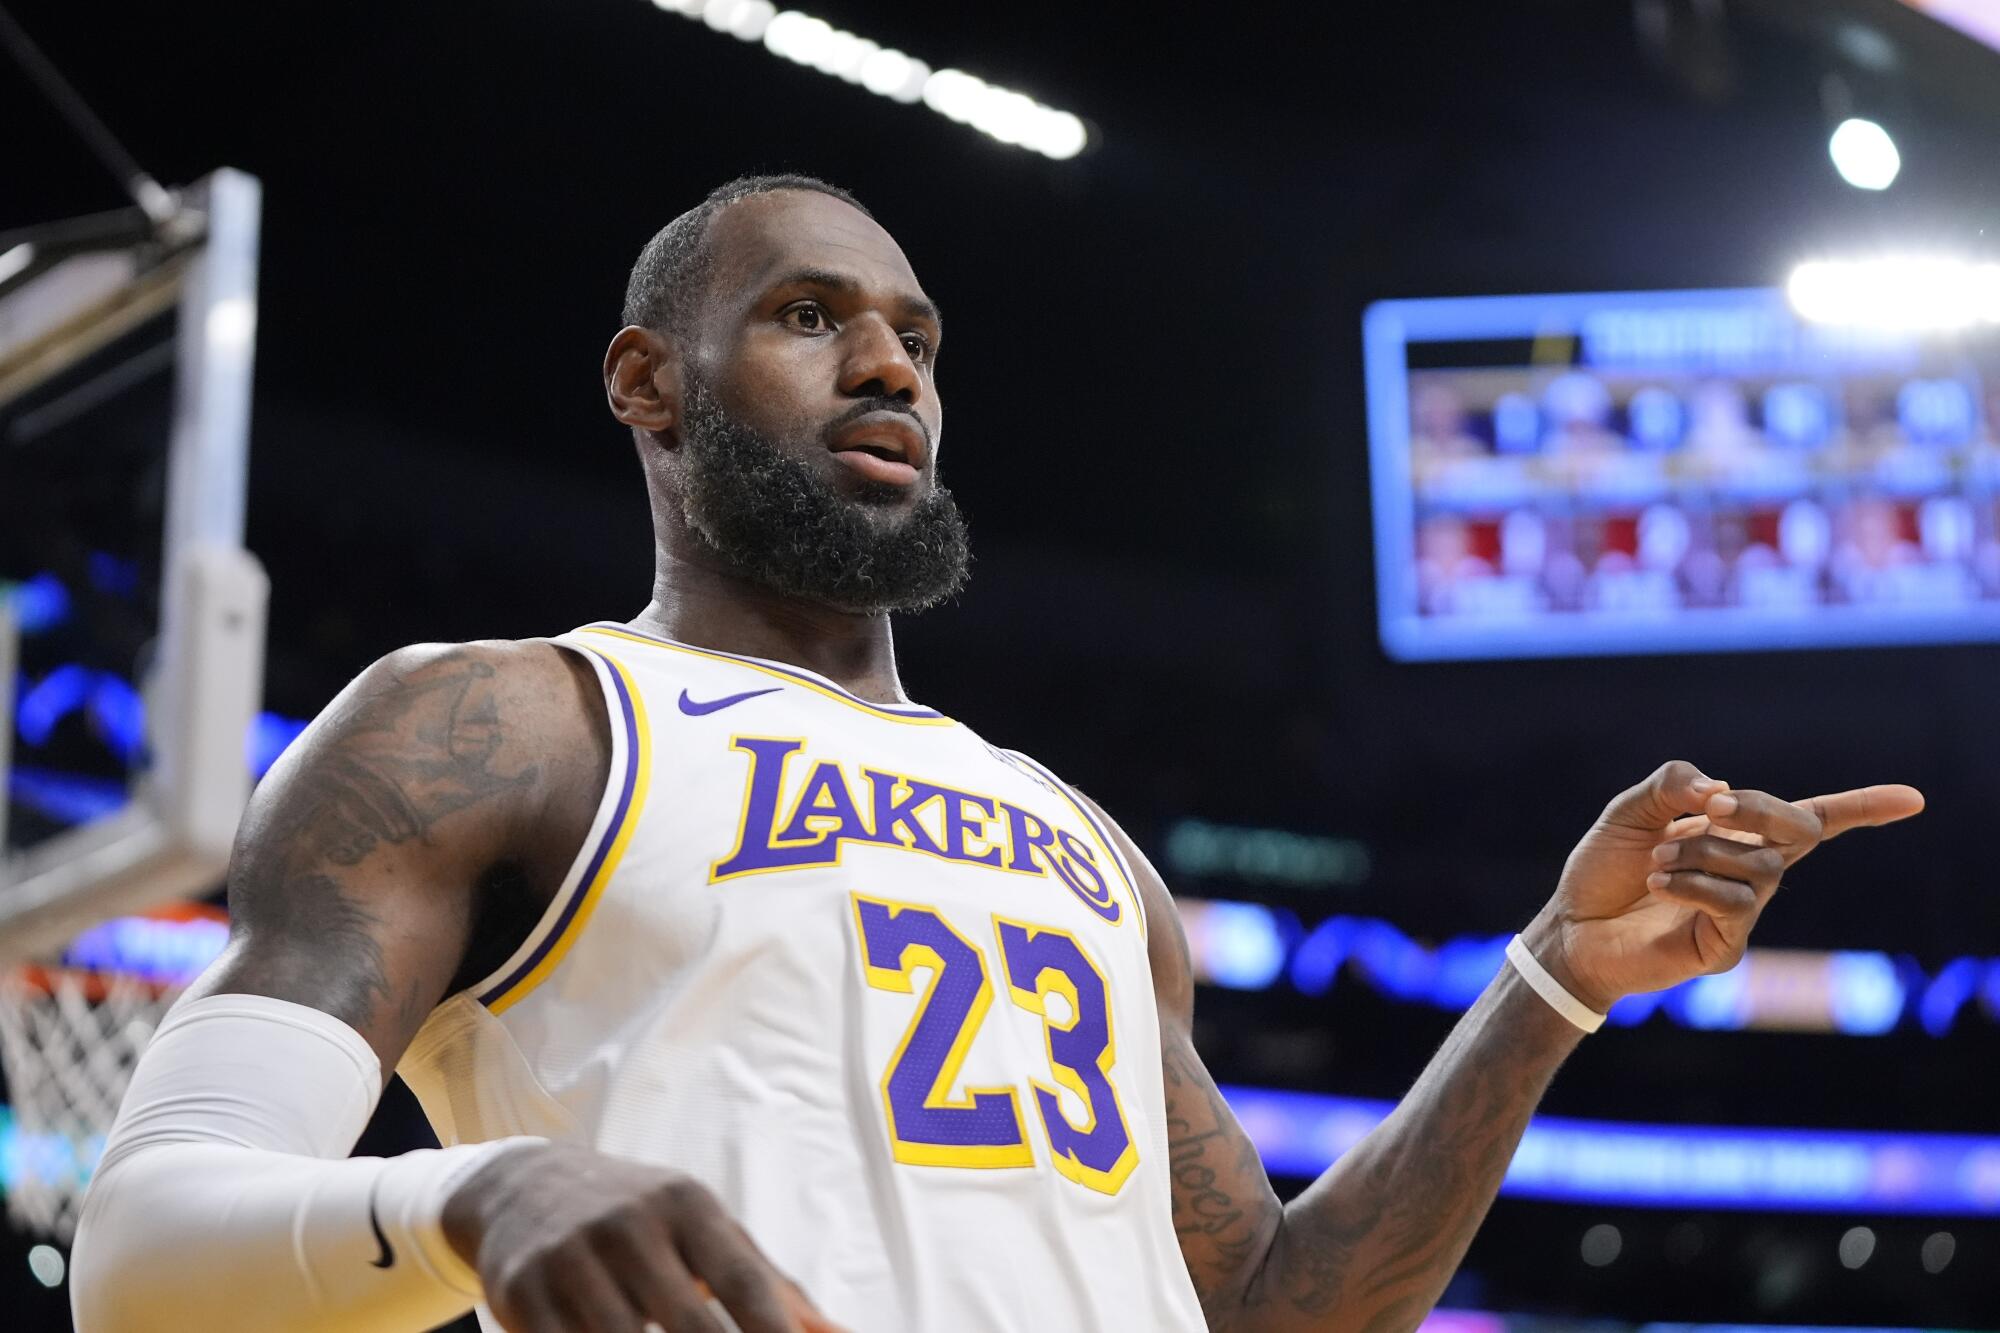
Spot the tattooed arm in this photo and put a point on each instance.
(401, 850)
(376, 860)
(413, 833)
(1372, 1243)
(1665, 886)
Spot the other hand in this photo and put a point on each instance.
(568, 1239)
(1672, 876)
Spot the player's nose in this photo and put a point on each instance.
(877, 364)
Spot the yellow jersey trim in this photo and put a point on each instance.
(549, 953)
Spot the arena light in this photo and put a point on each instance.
(171, 950)
(1200, 849)
(1861, 993)
(46, 1263)
(1241, 945)
(1603, 1162)
(1000, 113)
(1632, 1164)
(1896, 292)
(1864, 154)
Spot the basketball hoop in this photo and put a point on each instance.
(69, 1037)
(91, 311)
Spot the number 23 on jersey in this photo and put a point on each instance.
(932, 1124)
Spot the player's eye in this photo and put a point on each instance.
(808, 315)
(918, 346)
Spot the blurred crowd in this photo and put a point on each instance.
(1591, 493)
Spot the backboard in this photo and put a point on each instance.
(90, 311)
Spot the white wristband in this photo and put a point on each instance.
(1546, 986)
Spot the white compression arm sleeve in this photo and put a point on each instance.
(225, 1200)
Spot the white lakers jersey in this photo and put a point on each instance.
(879, 985)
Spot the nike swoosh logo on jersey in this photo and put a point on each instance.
(694, 709)
(388, 1256)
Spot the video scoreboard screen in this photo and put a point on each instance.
(1646, 472)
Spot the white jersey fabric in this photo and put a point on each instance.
(881, 986)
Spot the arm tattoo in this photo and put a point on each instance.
(408, 755)
(1224, 1211)
(346, 971)
(389, 765)
(1371, 1245)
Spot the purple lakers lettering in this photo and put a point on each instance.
(795, 815)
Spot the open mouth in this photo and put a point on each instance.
(883, 446)
(881, 452)
(873, 450)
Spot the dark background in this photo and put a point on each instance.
(1156, 427)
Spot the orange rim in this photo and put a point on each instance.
(94, 984)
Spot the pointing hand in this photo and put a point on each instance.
(1672, 876)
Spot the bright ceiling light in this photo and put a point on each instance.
(1864, 154)
(1001, 113)
(1896, 292)
(954, 94)
(892, 74)
(799, 37)
(1063, 135)
(749, 18)
(842, 55)
(1008, 117)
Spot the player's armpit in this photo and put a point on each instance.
(355, 883)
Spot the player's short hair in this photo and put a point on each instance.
(665, 290)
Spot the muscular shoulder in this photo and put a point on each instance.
(476, 720)
(544, 693)
(366, 861)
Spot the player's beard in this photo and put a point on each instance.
(776, 521)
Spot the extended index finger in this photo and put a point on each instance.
(1863, 807)
(1790, 825)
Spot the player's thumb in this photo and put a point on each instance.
(1674, 789)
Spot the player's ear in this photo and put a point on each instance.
(642, 382)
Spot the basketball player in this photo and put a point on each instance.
(733, 979)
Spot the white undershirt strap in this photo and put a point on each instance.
(215, 1205)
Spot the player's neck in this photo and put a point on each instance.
(696, 603)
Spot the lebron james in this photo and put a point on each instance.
(744, 990)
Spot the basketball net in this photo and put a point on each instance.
(69, 1038)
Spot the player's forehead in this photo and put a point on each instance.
(755, 243)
